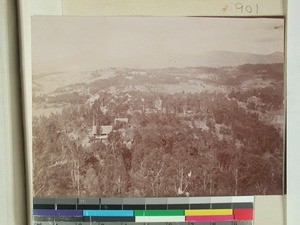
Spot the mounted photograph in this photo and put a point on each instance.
(157, 106)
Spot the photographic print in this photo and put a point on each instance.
(157, 106)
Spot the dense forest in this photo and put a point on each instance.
(188, 132)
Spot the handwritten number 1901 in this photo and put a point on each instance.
(248, 8)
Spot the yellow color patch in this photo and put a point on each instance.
(208, 212)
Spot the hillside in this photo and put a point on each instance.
(160, 132)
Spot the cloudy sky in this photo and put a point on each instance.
(78, 43)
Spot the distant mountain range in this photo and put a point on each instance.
(214, 59)
(225, 58)
(92, 61)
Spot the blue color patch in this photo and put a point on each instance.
(46, 212)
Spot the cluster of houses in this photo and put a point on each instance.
(101, 132)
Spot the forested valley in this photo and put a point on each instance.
(174, 132)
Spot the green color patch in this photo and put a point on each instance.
(159, 212)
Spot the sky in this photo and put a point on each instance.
(80, 43)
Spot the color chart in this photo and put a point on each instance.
(129, 211)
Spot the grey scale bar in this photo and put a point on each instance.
(88, 201)
(64, 223)
(44, 201)
(249, 222)
(112, 223)
(178, 201)
(172, 200)
(224, 223)
(160, 223)
(133, 223)
(244, 205)
(185, 223)
(222, 199)
(156, 201)
(66, 201)
(198, 223)
(199, 200)
(134, 201)
(237, 201)
(111, 201)
(43, 223)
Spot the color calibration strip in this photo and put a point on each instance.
(165, 211)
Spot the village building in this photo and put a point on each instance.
(101, 132)
(94, 128)
(125, 120)
(158, 104)
(105, 131)
(104, 109)
(92, 100)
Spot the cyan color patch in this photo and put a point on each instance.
(107, 212)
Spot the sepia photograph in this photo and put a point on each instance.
(157, 106)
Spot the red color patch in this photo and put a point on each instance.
(243, 214)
